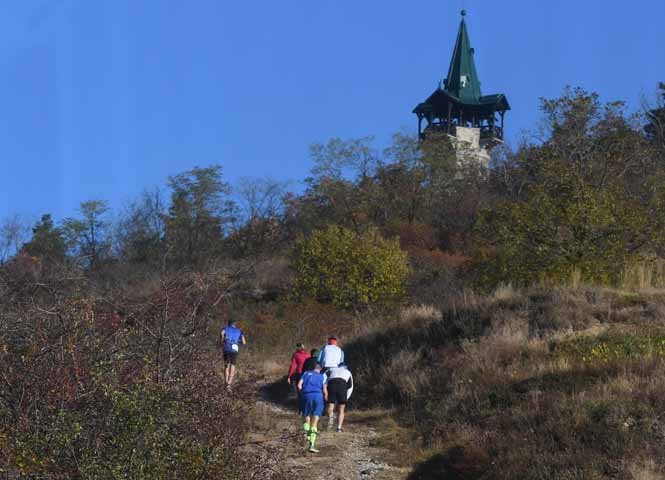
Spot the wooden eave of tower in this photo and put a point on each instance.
(440, 100)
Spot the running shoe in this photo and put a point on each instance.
(339, 430)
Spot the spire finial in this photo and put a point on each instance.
(464, 13)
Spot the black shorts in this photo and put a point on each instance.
(337, 389)
(231, 357)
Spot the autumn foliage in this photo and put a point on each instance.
(114, 384)
(348, 269)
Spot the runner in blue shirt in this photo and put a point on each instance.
(231, 338)
(312, 386)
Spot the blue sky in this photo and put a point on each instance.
(102, 98)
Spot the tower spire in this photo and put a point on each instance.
(462, 81)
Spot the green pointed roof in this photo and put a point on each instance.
(460, 92)
(462, 81)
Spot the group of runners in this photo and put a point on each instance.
(321, 380)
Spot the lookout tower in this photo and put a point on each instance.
(458, 108)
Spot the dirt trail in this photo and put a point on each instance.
(280, 443)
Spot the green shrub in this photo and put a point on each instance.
(562, 227)
(586, 202)
(347, 269)
(616, 346)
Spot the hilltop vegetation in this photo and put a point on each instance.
(538, 352)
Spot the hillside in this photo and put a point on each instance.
(542, 383)
(501, 323)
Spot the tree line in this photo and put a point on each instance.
(584, 191)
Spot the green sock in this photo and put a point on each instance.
(305, 426)
(312, 437)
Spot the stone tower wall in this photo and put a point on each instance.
(469, 148)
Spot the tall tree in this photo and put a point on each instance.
(353, 158)
(591, 198)
(47, 241)
(201, 211)
(140, 230)
(655, 127)
(340, 187)
(260, 198)
(13, 233)
(260, 220)
(415, 174)
(599, 142)
(88, 236)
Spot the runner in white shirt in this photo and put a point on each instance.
(340, 387)
(331, 355)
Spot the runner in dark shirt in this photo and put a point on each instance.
(310, 363)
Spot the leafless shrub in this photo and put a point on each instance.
(98, 383)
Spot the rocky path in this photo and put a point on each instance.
(278, 440)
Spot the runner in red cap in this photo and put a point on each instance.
(331, 355)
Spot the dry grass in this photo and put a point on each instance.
(273, 368)
(418, 314)
(273, 273)
(645, 276)
(404, 447)
(646, 470)
(504, 292)
(405, 376)
(498, 378)
(492, 377)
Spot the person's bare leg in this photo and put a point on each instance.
(295, 390)
(227, 369)
(340, 416)
(331, 411)
(232, 372)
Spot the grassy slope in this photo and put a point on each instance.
(566, 384)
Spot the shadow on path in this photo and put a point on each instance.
(456, 464)
(279, 393)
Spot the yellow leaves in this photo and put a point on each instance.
(617, 346)
(348, 269)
